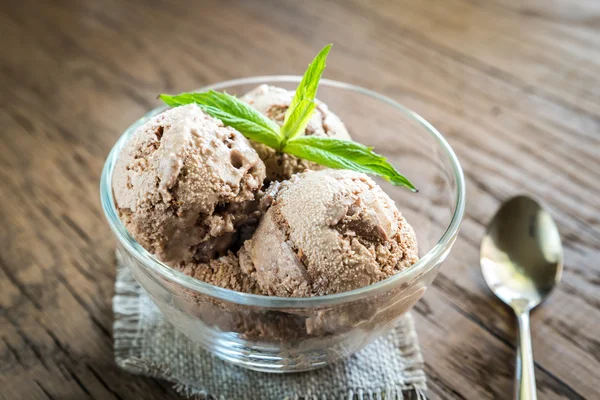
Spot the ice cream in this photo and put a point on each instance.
(188, 189)
(273, 102)
(185, 185)
(327, 232)
(224, 272)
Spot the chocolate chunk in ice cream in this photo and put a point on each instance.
(185, 185)
(327, 232)
(273, 102)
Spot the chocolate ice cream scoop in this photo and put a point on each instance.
(327, 232)
(185, 185)
(273, 102)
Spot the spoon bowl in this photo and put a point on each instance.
(522, 261)
(521, 253)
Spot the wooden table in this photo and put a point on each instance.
(513, 85)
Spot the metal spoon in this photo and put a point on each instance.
(522, 260)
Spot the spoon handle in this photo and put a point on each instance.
(525, 389)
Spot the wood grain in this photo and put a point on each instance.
(513, 85)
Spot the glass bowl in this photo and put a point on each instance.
(277, 334)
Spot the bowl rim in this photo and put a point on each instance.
(428, 261)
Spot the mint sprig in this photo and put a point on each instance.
(289, 138)
(232, 112)
(345, 154)
(306, 91)
(298, 120)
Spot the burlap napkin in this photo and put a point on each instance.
(145, 343)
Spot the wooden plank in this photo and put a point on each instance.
(551, 49)
(513, 87)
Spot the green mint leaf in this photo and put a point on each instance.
(232, 112)
(345, 154)
(299, 118)
(307, 89)
(329, 152)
